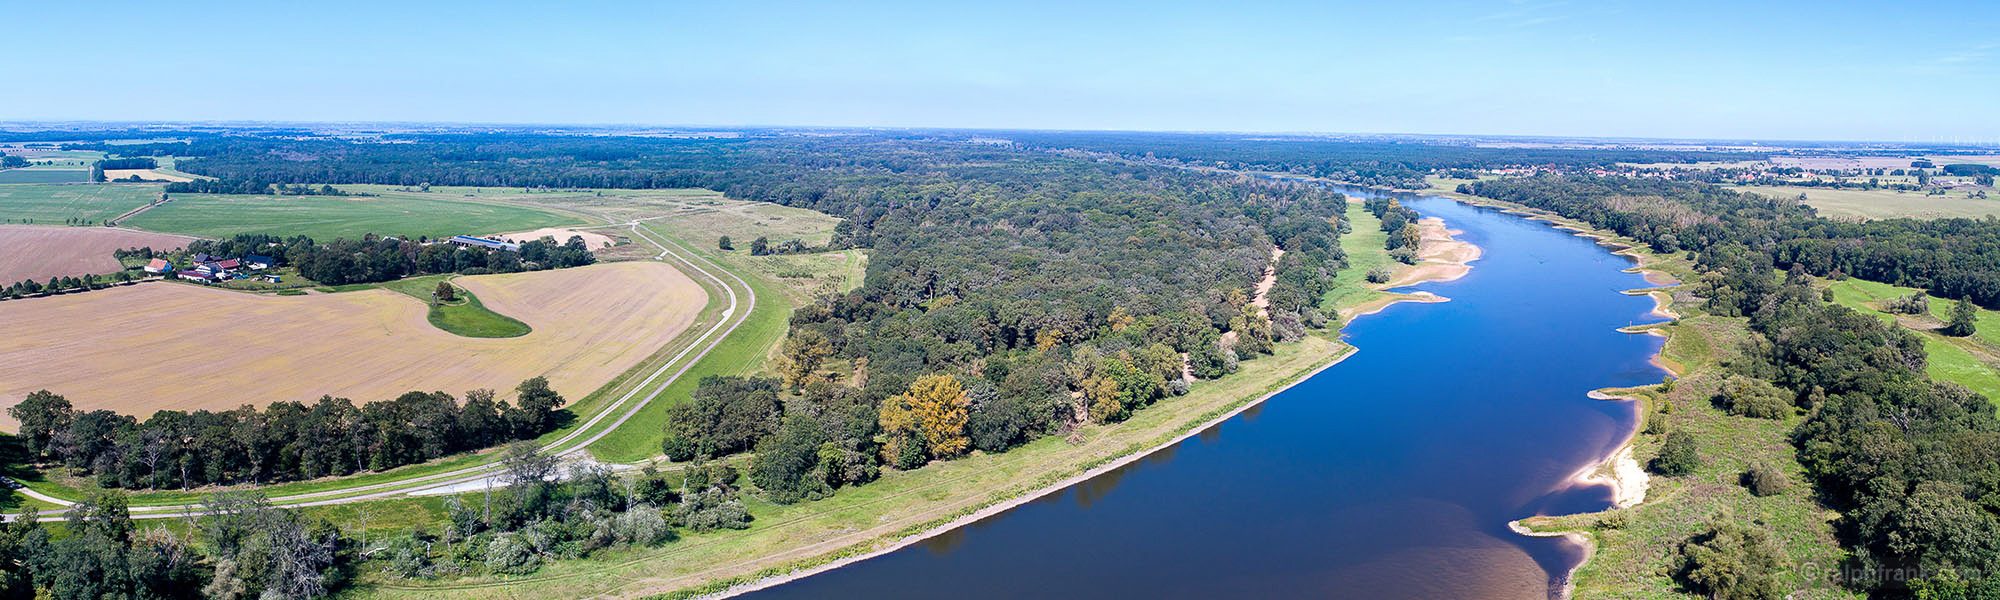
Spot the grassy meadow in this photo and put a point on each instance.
(464, 316)
(53, 204)
(1970, 362)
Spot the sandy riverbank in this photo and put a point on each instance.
(1440, 255)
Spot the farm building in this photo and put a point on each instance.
(158, 266)
(480, 242)
(198, 275)
(258, 263)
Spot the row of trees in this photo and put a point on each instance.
(58, 285)
(284, 442)
(371, 259)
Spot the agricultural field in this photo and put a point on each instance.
(1883, 203)
(39, 252)
(591, 239)
(151, 347)
(145, 174)
(44, 175)
(57, 204)
(329, 217)
(690, 210)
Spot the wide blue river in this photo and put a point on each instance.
(1390, 475)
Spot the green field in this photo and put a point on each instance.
(1965, 361)
(53, 204)
(329, 217)
(1365, 246)
(37, 175)
(1884, 204)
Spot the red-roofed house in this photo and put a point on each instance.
(158, 266)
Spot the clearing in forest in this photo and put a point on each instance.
(160, 346)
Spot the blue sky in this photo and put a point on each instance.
(1772, 70)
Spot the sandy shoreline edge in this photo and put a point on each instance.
(1450, 253)
(1620, 470)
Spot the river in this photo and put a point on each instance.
(1391, 475)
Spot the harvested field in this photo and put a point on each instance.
(39, 252)
(146, 174)
(591, 239)
(160, 346)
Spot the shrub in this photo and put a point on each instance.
(1731, 561)
(1656, 424)
(1751, 397)
(1406, 255)
(1678, 456)
(709, 510)
(509, 554)
(1379, 275)
(1764, 480)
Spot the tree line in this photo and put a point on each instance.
(371, 259)
(287, 441)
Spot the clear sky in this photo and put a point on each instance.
(1825, 69)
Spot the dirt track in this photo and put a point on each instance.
(39, 252)
(173, 346)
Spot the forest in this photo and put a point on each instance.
(1395, 164)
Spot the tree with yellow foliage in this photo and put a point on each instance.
(934, 412)
(803, 353)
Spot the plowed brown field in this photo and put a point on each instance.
(39, 252)
(158, 346)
